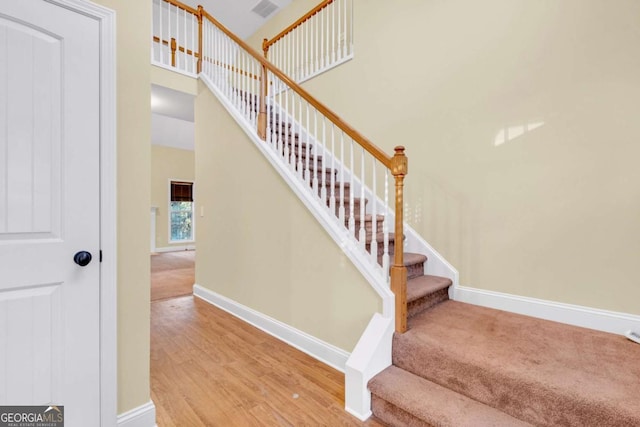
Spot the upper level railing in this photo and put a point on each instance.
(321, 39)
(345, 173)
(176, 42)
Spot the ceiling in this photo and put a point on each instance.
(236, 15)
(172, 111)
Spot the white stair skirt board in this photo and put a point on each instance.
(371, 355)
(142, 416)
(586, 317)
(176, 248)
(318, 349)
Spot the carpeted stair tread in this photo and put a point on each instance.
(419, 287)
(423, 403)
(546, 373)
(411, 258)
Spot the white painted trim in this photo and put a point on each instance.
(318, 349)
(142, 416)
(586, 317)
(176, 248)
(170, 68)
(371, 355)
(154, 222)
(108, 204)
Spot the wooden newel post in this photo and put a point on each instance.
(262, 114)
(264, 84)
(399, 169)
(173, 52)
(265, 47)
(200, 15)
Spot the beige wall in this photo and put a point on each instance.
(259, 245)
(176, 81)
(168, 164)
(553, 213)
(134, 134)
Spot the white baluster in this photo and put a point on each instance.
(333, 32)
(184, 40)
(352, 219)
(314, 40)
(175, 34)
(256, 94)
(284, 119)
(363, 231)
(341, 213)
(323, 188)
(307, 149)
(297, 124)
(161, 35)
(374, 212)
(385, 227)
(315, 154)
(321, 36)
(343, 36)
(332, 189)
(194, 63)
(351, 32)
(303, 28)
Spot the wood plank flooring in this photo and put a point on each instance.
(210, 369)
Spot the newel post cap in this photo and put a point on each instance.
(400, 162)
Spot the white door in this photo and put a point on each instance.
(49, 209)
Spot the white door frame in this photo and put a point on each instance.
(108, 206)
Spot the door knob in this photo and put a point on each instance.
(82, 258)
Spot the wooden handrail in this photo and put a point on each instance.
(182, 6)
(303, 18)
(374, 150)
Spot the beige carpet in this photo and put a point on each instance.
(545, 373)
(172, 274)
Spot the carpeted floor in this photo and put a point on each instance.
(172, 274)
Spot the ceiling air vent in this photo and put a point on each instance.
(264, 8)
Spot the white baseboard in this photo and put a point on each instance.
(142, 416)
(320, 350)
(176, 248)
(586, 317)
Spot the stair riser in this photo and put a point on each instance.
(347, 207)
(426, 302)
(393, 416)
(415, 270)
(313, 163)
(336, 190)
(368, 225)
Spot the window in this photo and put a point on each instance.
(181, 212)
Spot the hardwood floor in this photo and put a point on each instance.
(210, 369)
(172, 274)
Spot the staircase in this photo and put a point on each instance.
(465, 365)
